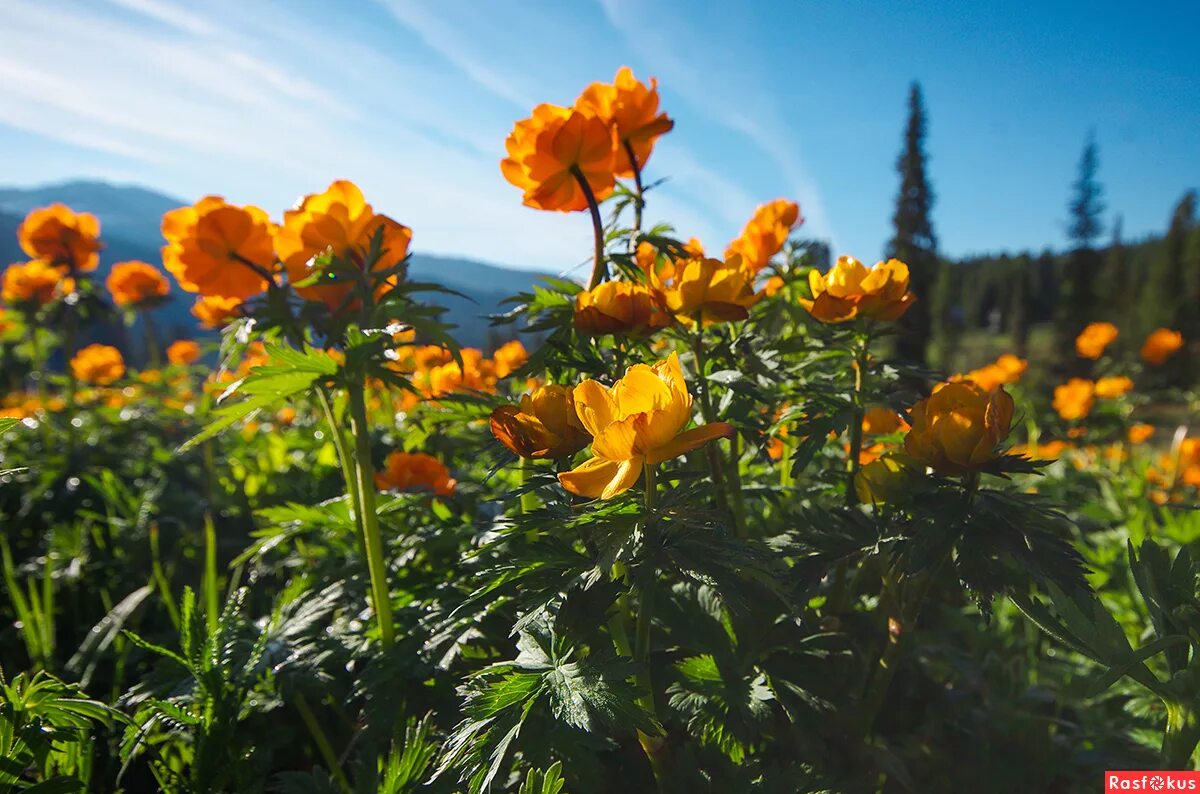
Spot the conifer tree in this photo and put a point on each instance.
(1020, 310)
(1077, 296)
(1117, 288)
(914, 241)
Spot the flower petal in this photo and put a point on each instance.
(689, 440)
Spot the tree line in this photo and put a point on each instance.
(1139, 285)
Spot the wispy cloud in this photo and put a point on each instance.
(717, 83)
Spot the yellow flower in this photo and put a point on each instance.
(849, 290)
(958, 427)
(183, 352)
(1113, 386)
(218, 249)
(552, 150)
(135, 283)
(544, 425)
(708, 291)
(631, 107)
(1140, 433)
(34, 284)
(509, 358)
(414, 471)
(1094, 338)
(341, 223)
(886, 480)
(214, 311)
(99, 364)
(619, 307)
(882, 420)
(62, 237)
(1073, 400)
(765, 233)
(639, 420)
(1161, 345)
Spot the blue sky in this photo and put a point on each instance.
(265, 100)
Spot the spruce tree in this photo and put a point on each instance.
(1118, 288)
(1077, 297)
(914, 241)
(1020, 309)
(1167, 299)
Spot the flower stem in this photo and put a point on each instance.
(639, 202)
(599, 267)
(856, 417)
(528, 500)
(153, 354)
(1180, 737)
(725, 501)
(322, 742)
(373, 543)
(345, 460)
(655, 747)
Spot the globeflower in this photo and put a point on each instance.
(765, 233)
(135, 283)
(1094, 338)
(341, 224)
(882, 420)
(543, 425)
(98, 364)
(1160, 345)
(1114, 386)
(558, 154)
(637, 421)
(1140, 433)
(34, 284)
(219, 249)
(631, 107)
(850, 290)
(214, 311)
(708, 291)
(509, 358)
(957, 428)
(414, 471)
(62, 238)
(183, 352)
(1074, 399)
(886, 480)
(619, 307)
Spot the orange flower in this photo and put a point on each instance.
(1004, 370)
(220, 249)
(475, 374)
(958, 427)
(882, 420)
(183, 352)
(62, 237)
(1113, 386)
(543, 425)
(619, 307)
(135, 283)
(1161, 345)
(99, 364)
(552, 150)
(339, 223)
(414, 471)
(1140, 433)
(849, 290)
(708, 291)
(1012, 367)
(34, 284)
(1094, 338)
(509, 358)
(765, 233)
(1073, 400)
(214, 311)
(631, 108)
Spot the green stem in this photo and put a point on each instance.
(373, 542)
(212, 609)
(345, 460)
(153, 354)
(528, 500)
(322, 742)
(707, 410)
(639, 202)
(599, 267)
(856, 417)
(1181, 736)
(655, 747)
(785, 464)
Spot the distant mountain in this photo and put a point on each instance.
(130, 219)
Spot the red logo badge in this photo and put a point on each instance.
(1121, 781)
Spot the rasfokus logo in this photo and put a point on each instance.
(1151, 781)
